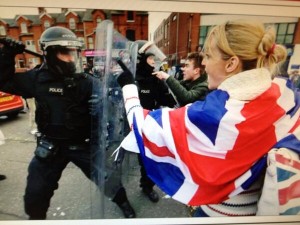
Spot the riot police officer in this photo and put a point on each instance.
(62, 92)
(153, 94)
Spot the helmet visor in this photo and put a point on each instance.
(150, 48)
(71, 55)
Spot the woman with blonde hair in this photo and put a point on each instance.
(211, 154)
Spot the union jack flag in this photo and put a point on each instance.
(210, 150)
(288, 178)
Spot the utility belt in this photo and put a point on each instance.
(48, 148)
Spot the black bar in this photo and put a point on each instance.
(33, 53)
(122, 65)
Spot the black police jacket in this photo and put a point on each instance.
(153, 92)
(62, 108)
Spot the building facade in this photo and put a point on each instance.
(28, 28)
(182, 33)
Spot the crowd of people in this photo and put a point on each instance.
(196, 137)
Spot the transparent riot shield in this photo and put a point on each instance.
(110, 125)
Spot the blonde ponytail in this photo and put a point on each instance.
(250, 41)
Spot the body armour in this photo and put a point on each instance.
(62, 111)
(153, 93)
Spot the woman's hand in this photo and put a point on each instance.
(161, 75)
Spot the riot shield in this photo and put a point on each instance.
(110, 125)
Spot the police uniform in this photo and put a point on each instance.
(153, 94)
(64, 120)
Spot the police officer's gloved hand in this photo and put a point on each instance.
(125, 77)
(10, 48)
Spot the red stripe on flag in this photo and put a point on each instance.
(201, 168)
(295, 126)
(290, 192)
(256, 135)
(156, 150)
(286, 161)
(145, 112)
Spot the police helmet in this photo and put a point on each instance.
(56, 40)
(59, 36)
(148, 48)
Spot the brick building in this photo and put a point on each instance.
(178, 35)
(28, 28)
(182, 33)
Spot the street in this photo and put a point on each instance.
(76, 198)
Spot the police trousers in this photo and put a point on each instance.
(43, 177)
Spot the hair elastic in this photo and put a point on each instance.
(271, 50)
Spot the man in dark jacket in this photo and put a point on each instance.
(193, 86)
(64, 108)
(153, 94)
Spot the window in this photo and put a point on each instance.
(204, 30)
(90, 43)
(166, 30)
(32, 62)
(2, 31)
(72, 24)
(285, 33)
(46, 24)
(81, 39)
(30, 45)
(130, 16)
(21, 63)
(24, 28)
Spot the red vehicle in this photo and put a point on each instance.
(10, 105)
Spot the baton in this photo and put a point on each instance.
(122, 65)
(3, 41)
(33, 53)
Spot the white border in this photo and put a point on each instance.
(274, 220)
(247, 7)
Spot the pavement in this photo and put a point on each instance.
(77, 198)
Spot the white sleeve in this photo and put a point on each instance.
(132, 105)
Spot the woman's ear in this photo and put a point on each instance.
(233, 65)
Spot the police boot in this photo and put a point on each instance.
(151, 194)
(121, 200)
(127, 209)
